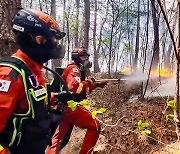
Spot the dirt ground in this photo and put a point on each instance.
(119, 132)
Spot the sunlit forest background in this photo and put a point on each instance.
(121, 35)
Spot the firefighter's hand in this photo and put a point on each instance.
(64, 96)
(101, 84)
(91, 81)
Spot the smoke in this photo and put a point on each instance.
(164, 87)
(157, 86)
(137, 77)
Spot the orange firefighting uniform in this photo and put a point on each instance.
(80, 117)
(14, 100)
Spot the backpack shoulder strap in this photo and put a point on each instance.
(16, 64)
(56, 84)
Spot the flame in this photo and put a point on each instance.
(164, 72)
(126, 70)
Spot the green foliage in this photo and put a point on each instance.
(134, 12)
(100, 111)
(142, 126)
(74, 27)
(85, 104)
(105, 41)
(145, 132)
(170, 116)
(75, 32)
(127, 47)
(66, 15)
(172, 104)
(72, 104)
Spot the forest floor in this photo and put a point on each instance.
(120, 133)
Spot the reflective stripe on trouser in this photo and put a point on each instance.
(82, 119)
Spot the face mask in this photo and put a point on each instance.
(43, 52)
(54, 51)
(58, 52)
(87, 64)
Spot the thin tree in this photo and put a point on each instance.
(95, 60)
(145, 50)
(76, 25)
(53, 9)
(101, 30)
(155, 17)
(167, 60)
(86, 23)
(137, 38)
(111, 37)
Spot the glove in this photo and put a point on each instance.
(101, 84)
(93, 79)
(90, 81)
(64, 96)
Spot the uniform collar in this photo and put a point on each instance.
(34, 66)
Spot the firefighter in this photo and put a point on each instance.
(25, 114)
(77, 81)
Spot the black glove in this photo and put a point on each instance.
(93, 79)
(64, 96)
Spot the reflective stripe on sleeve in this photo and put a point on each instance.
(87, 90)
(79, 89)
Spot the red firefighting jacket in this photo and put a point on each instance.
(14, 100)
(13, 97)
(73, 77)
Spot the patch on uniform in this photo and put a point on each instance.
(75, 70)
(78, 79)
(40, 92)
(4, 85)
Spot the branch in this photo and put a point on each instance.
(170, 31)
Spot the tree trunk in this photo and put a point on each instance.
(129, 52)
(63, 20)
(111, 39)
(164, 32)
(86, 23)
(101, 30)
(8, 9)
(55, 62)
(155, 17)
(137, 38)
(76, 28)
(177, 73)
(53, 9)
(95, 60)
(167, 60)
(68, 37)
(40, 5)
